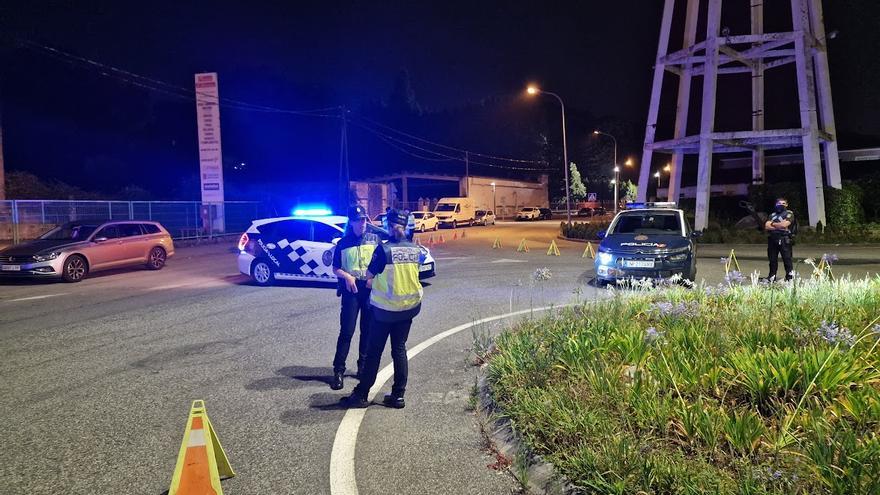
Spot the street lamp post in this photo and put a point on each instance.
(657, 175)
(494, 204)
(533, 90)
(616, 182)
(616, 168)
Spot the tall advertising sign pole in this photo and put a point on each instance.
(210, 152)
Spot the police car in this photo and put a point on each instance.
(647, 240)
(300, 247)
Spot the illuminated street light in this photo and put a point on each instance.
(657, 175)
(629, 162)
(533, 90)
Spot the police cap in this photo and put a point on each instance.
(396, 217)
(357, 212)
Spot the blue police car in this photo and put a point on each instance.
(647, 240)
(300, 247)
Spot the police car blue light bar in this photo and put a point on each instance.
(650, 204)
(311, 212)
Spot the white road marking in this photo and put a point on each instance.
(34, 298)
(505, 260)
(342, 476)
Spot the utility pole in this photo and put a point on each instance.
(467, 174)
(2, 169)
(344, 176)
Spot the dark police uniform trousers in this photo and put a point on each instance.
(779, 244)
(352, 304)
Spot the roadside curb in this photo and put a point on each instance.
(530, 469)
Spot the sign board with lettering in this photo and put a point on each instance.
(210, 152)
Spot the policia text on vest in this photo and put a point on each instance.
(395, 299)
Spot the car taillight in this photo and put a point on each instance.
(243, 241)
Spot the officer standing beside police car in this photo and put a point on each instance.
(350, 260)
(395, 298)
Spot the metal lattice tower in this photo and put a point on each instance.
(722, 54)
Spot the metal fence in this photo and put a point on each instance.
(25, 219)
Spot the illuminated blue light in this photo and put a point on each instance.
(311, 211)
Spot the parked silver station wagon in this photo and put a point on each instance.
(73, 250)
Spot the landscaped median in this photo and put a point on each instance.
(731, 389)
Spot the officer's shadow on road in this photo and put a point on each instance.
(293, 377)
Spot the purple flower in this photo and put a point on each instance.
(829, 258)
(652, 335)
(834, 334)
(724, 260)
(682, 309)
(734, 277)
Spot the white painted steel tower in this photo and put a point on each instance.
(722, 53)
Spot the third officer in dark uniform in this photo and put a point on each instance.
(350, 261)
(780, 239)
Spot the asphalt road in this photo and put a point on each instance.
(98, 377)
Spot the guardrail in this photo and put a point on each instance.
(27, 219)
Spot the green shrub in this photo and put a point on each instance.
(843, 207)
(583, 230)
(704, 390)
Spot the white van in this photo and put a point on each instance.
(452, 212)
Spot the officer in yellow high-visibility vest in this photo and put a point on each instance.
(396, 298)
(350, 259)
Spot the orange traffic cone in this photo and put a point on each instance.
(201, 461)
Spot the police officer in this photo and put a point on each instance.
(780, 239)
(410, 224)
(350, 259)
(396, 299)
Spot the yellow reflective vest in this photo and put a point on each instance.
(355, 257)
(398, 288)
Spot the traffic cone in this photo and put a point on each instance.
(731, 262)
(523, 247)
(431, 240)
(441, 240)
(454, 236)
(553, 249)
(463, 233)
(588, 251)
(201, 461)
(497, 244)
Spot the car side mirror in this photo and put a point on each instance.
(100, 239)
(696, 234)
(601, 234)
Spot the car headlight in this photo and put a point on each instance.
(47, 257)
(605, 258)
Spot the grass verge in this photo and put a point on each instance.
(740, 389)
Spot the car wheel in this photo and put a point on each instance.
(454, 224)
(75, 268)
(422, 228)
(262, 273)
(156, 259)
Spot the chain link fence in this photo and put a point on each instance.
(27, 219)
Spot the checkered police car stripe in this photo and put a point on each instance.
(307, 258)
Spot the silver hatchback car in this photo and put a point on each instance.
(73, 250)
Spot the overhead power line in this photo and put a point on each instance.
(400, 140)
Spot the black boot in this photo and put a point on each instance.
(355, 400)
(395, 401)
(336, 382)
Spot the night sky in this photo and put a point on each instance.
(467, 64)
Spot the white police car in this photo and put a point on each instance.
(648, 240)
(300, 247)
